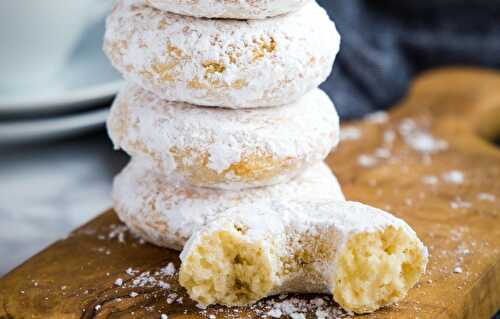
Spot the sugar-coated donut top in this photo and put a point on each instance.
(227, 63)
(229, 9)
(297, 130)
(306, 215)
(266, 219)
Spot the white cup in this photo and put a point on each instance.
(37, 37)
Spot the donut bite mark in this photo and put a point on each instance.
(364, 257)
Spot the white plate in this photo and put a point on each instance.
(32, 130)
(87, 79)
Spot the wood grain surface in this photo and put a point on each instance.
(430, 162)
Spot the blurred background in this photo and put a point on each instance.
(56, 162)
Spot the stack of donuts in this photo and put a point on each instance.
(228, 131)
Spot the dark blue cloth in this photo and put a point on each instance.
(385, 43)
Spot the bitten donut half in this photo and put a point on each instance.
(221, 148)
(365, 257)
(220, 62)
(229, 9)
(165, 212)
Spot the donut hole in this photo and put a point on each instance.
(225, 269)
(377, 269)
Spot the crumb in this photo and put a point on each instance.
(457, 270)
(119, 282)
(168, 270)
(131, 272)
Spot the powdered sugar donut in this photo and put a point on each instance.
(224, 63)
(165, 212)
(365, 257)
(222, 148)
(229, 9)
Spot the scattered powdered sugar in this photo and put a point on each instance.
(118, 232)
(454, 177)
(163, 316)
(151, 279)
(389, 136)
(486, 197)
(458, 203)
(419, 138)
(457, 270)
(168, 270)
(350, 133)
(430, 180)
(171, 298)
(296, 308)
(201, 306)
(367, 160)
(275, 313)
(131, 272)
(382, 152)
(119, 282)
(379, 117)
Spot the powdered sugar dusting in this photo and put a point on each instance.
(486, 197)
(226, 63)
(179, 208)
(350, 133)
(244, 9)
(454, 177)
(296, 135)
(379, 117)
(420, 139)
(284, 233)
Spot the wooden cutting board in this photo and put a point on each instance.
(431, 162)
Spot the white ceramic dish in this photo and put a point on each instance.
(87, 80)
(32, 130)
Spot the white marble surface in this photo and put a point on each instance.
(48, 189)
